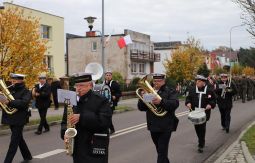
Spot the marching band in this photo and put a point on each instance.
(91, 119)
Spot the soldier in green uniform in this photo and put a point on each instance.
(244, 85)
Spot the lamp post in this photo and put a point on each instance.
(90, 21)
(236, 26)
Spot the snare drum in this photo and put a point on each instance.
(197, 116)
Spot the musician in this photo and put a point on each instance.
(17, 120)
(208, 102)
(225, 91)
(91, 115)
(42, 103)
(161, 127)
(115, 93)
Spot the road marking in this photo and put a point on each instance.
(117, 134)
(50, 153)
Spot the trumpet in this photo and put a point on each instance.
(145, 86)
(71, 132)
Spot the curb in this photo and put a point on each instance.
(247, 154)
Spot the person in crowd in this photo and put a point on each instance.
(17, 119)
(91, 118)
(55, 85)
(42, 103)
(225, 92)
(115, 94)
(160, 125)
(201, 96)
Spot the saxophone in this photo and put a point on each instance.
(71, 132)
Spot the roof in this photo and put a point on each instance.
(166, 45)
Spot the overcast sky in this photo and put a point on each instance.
(209, 21)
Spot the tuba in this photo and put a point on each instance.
(144, 85)
(6, 93)
(71, 132)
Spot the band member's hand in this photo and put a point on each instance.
(113, 97)
(156, 101)
(37, 94)
(189, 106)
(74, 119)
(208, 107)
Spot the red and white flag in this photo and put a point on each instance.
(124, 41)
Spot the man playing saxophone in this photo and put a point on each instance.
(17, 120)
(91, 117)
(161, 125)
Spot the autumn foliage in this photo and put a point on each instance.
(185, 61)
(21, 47)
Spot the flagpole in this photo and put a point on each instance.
(102, 37)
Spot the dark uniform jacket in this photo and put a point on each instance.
(208, 98)
(95, 117)
(227, 101)
(115, 91)
(22, 98)
(170, 103)
(43, 100)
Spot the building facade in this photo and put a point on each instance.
(52, 29)
(165, 49)
(135, 60)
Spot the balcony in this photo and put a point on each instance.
(137, 55)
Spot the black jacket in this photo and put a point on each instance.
(208, 98)
(115, 91)
(43, 100)
(227, 101)
(170, 103)
(22, 98)
(95, 117)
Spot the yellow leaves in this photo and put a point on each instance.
(185, 61)
(21, 48)
(249, 71)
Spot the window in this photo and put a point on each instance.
(141, 68)
(133, 67)
(94, 46)
(45, 31)
(48, 61)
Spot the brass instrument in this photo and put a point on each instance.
(144, 85)
(224, 90)
(71, 132)
(5, 92)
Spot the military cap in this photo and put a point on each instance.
(158, 76)
(17, 76)
(82, 77)
(42, 76)
(223, 74)
(108, 71)
(201, 77)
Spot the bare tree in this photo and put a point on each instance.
(248, 15)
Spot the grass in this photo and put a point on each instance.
(249, 138)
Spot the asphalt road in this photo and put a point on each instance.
(132, 143)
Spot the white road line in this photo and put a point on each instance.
(117, 134)
(50, 153)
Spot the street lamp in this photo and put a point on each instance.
(236, 26)
(90, 21)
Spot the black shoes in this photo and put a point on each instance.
(46, 130)
(38, 132)
(227, 130)
(200, 150)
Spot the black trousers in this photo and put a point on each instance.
(43, 121)
(200, 131)
(225, 116)
(17, 140)
(161, 141)
(111, 125)
(55, 100)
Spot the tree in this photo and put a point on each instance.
(248, 15)
(21, 47)
(249, 71)
(247, 57)
(236, 69)
(185, 61)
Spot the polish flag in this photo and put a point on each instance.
(124, 41)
